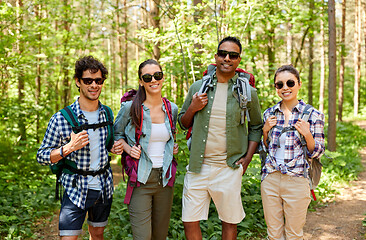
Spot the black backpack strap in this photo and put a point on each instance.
(110, 139)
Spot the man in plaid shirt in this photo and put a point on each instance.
(92, 194)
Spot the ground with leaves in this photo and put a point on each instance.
(343, 218)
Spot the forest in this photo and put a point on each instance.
(40, 40)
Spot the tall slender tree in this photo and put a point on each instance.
(357, 57)
(322, 60)
(341, 68)
(332, 79)
(311, 52)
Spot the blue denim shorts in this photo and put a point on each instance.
(73, 217)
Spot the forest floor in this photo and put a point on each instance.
(340, 219)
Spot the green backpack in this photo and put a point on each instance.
(67, 166)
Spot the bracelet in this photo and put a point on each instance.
(61, 152)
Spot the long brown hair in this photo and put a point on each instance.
(140, 96)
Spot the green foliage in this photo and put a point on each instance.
(26, 191)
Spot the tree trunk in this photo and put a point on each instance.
(125, 56)
(332, 79)
(64, 62)
(20, 75)
(289, 44)
(155, 22)
(271, 51)
(38, 13)
(311, 54)
(357, 57)
(341, 69)
(322, 61)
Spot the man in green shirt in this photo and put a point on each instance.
(221, 147)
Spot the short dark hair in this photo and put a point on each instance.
(230, 39)
(89, 63)
(287, 68)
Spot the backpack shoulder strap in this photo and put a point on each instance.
(110, 138)
(168, 107)
(70, 117)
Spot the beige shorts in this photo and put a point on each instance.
(219, 182)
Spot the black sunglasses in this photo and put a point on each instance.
(232, 55)
(290, 83)
(88, 81)
(148, 77)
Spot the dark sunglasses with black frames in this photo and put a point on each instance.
(290, 83)
(88, 81)
(148, 77)
(224, 53)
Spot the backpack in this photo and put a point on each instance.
(315, 166)
(241, 91)
(130, 164)
(67, 166)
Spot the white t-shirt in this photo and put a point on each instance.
(156, 148)
(280, 152)
(94, 144)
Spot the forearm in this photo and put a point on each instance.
(187, 118)
(310, 142)
(56, 153)
(252, 146)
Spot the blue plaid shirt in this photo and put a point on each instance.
(58, 134)
(294, 158)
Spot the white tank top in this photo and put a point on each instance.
(280, 152)
(158, 138)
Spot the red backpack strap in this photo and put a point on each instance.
(168, 107)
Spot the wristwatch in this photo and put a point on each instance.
(61, 152)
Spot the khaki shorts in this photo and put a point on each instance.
(219, 182)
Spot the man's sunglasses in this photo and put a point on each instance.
(148, 77)
(232, 55)
(88, 81)
(290, 83)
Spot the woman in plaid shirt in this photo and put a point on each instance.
(285, 186)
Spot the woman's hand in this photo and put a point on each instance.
(117, 147)
(270, 123)
(175, 148)
(303, 127)
(135, 152)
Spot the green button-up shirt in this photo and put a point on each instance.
(237, 135)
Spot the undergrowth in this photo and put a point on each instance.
(27, 191)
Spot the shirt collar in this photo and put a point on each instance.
(78, 112)
(299, 107)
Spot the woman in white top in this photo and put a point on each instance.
(151, 201)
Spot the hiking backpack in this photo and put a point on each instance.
(241, 91)
(67, 166)
(315, 166)
(130, 164)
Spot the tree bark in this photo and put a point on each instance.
(341, 69)
(322, 61)
(332, 79)
(64, 62)
(289, 39)
(20, 75)
(357, 57)
(125, 55)
(155, 22)
(311, 54)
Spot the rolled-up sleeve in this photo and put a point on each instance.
(187, 102)
(317, 130)
(121, 121)
(255, 125)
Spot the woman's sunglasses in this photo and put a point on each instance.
(148, 77)
(290, 83)
(88, 81)
(232, 55)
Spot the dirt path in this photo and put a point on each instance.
(341, 219)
